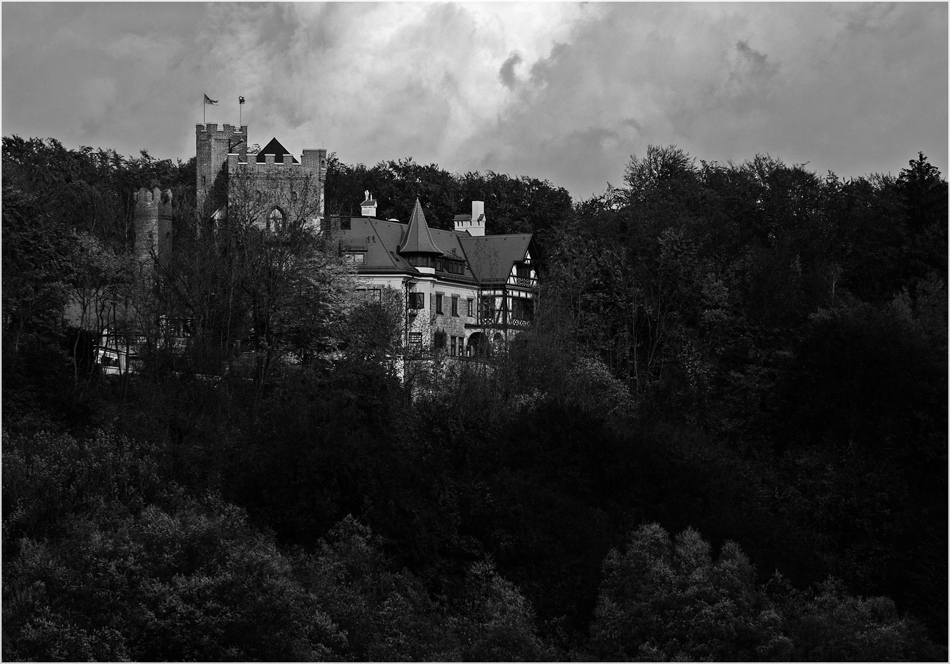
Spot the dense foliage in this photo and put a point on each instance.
(724, 439)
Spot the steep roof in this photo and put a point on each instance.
(276, 149)
(379, 240)
(492, 256)
(418, 239)
(487, 260)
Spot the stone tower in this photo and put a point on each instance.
(275, 180)
(213, 145)
(273, 176)
(153, 225)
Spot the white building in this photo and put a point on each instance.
(463, 290)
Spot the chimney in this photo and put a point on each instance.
(368, 206)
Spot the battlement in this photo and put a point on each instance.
(473, 224)
(153, 198)
(310, 160)
(234, 162)
(211, 129)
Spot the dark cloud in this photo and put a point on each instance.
(507, 71)
(757, 58)
(561, 91)
(727, 82)
(754, 66)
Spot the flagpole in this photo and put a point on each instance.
(204, 111)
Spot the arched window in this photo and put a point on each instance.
(275, 221)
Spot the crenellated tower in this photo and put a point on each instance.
(273, 180)
(213, 145)
(273, 177)
(152, 224)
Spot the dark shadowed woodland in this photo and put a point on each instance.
(724, 439)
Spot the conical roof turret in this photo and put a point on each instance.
(418, 239)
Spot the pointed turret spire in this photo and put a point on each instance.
(418, 239)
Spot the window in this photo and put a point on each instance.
(354, 257)
(370, 295)
(455, 305)
(420, 261)
(471, 307)
(438, 340)
(488, 306)
(523, 276)
(345, 224)
(438, 303)
(275, 220)
(522, 308)
(417, 300)
(415, 341)
(453, 345)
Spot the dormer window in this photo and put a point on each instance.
(420, 261)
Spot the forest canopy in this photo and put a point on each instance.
(725, 437)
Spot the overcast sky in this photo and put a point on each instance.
(565, 92)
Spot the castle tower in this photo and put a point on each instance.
(315, 161)
(213, 145)
(275, 179)
(152, 225)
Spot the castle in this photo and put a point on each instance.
(463, 291)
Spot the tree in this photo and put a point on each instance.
(661, 600)
(924, 191)
(494, 622)
(267, 281)
(196, 583)
(38, 261)
(828, 624)
(669, 601)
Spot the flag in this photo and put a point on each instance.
(240, 100)
(209, 100)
